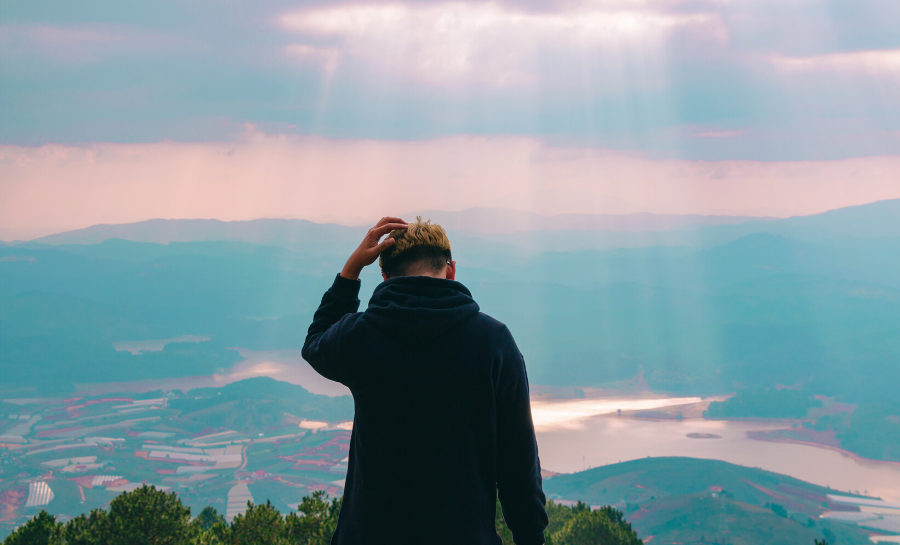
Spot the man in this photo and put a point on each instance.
(443, 419)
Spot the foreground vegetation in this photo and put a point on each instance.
(148, 516)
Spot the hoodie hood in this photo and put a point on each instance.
(418, 309)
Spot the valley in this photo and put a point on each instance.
(258, 440)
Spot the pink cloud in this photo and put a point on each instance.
(875, 62)
(55, 187)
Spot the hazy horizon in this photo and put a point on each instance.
(37, 233)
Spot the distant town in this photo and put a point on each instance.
(71, 455)
(244, 442)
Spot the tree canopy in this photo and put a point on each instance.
(148, 516)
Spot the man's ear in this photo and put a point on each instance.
(384, 276)
(451, 270)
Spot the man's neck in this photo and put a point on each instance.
(429, 273)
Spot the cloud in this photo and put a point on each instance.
(55, 187)
(492, 43)
(710, 79)
(876, 62)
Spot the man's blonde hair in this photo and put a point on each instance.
(421, 241)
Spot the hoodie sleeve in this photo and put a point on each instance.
(323, 348)
(518, 465)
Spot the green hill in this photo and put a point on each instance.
(704, 519)
(687, 500)
(259, 404)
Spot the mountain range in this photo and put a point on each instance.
(706, 308)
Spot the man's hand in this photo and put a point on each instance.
(369, 249)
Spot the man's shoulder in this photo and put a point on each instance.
(490, 324)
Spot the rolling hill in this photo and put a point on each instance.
(259, 404)
(688, 500)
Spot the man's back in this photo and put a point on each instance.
(442, 415)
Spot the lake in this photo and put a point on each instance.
(591, 441)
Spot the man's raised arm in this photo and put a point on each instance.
(322, 348)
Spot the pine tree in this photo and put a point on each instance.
(207, 518)
(579, 525)
(43, 529)
(316, 521)
(259, 525)
(87, 529)
(147, 516)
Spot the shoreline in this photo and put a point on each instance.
(761, 436)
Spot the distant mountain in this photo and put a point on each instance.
(690, 500)
(300, 235)
(756, 312)
(843, 226)
(506, 220)
(757, 255)
(516, 230)
(879, 219)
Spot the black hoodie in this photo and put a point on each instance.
(443, 419)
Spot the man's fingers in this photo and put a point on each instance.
(385, 244)
(389, 219)
(378, 232)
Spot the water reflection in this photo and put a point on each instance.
(573, 413)
(603, 440)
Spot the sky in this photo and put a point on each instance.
(113, 112)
